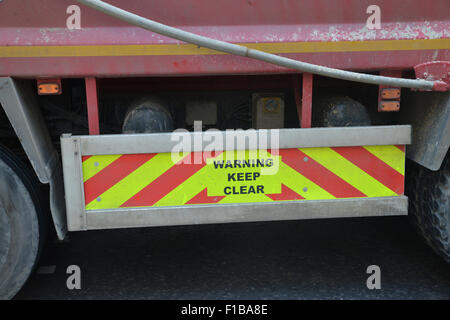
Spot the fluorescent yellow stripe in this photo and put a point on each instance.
(269, 182)
(295, 181)
(351, 46)
(185, 191)
(133, 183)
(95, 164)
(391, 155)
(188, 188)
(243, 198)
(286, 175)
(217, 179)
(189, 49)
(102, 51)
(348, 172)
(210, 177)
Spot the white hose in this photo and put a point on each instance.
(235, 49)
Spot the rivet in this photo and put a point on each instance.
(99, 199)
(305, 159)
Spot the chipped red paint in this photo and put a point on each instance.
(43, 23)
(436, 70)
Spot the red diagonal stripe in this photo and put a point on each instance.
(318, 174)
(401, 147)
(202, 197)
(112, 174)
(372, 165)
(168, 181)
(286, 194)
(84, 158)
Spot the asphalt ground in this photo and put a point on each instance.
(308, 259)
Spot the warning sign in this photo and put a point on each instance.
(242, 173)
(153, 180)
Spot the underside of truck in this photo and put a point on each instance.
(219, 111)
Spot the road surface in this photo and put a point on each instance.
(309, 259)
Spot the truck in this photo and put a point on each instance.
(129, 114)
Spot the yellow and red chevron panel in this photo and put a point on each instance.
(156, 180)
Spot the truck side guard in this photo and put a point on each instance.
(131, 180)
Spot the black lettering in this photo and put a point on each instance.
(237, 163)
(256, 175)
(240, 176)
(231, 177)
(225, 190)
(218, 164)
(259, 189)
(259, 163)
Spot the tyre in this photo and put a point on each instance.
(339, 111)
(21, 223)
(429, 209)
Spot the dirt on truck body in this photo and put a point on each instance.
(157, 113)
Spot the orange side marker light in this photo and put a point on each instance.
(49, 86)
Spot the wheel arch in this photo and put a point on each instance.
(19, 102)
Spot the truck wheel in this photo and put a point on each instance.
(430, 205)
(21, 223)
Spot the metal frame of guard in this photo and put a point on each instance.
(74, 147)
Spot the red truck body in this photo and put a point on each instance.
(36, 42)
